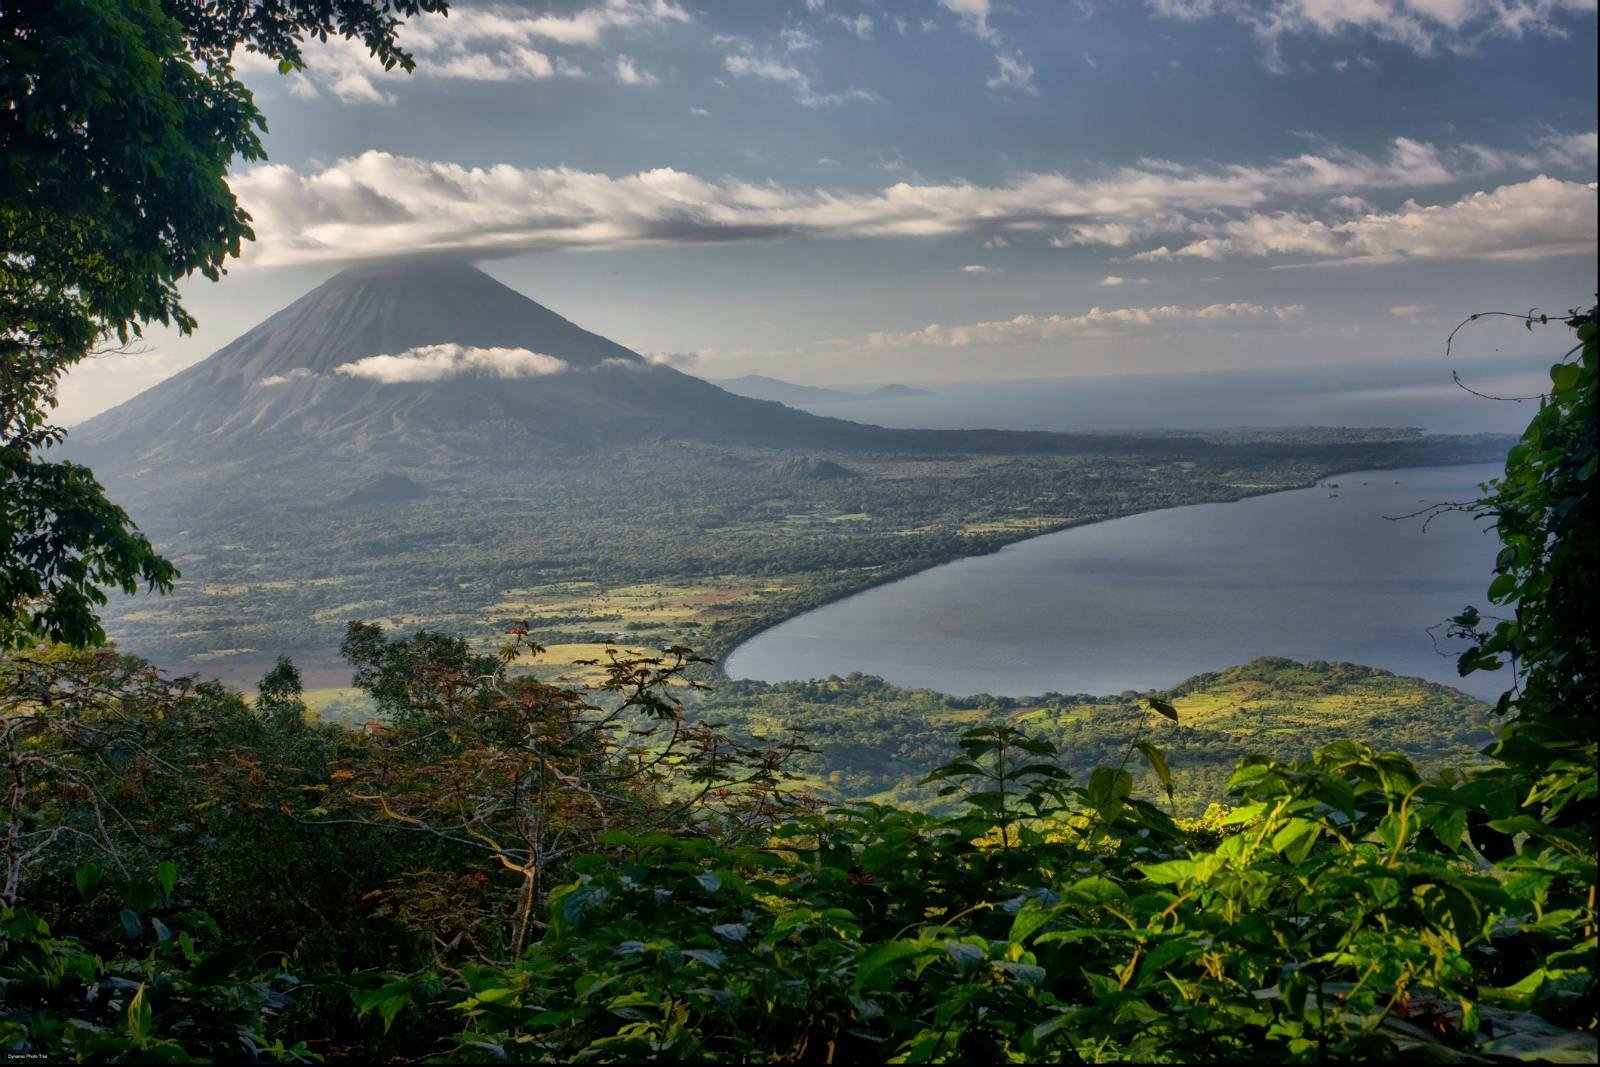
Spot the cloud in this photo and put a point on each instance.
(1111, 281)
(1013, 73)
(1424, 26)
(433, 363)
(974, 16)
(1410, 311)
(1539, 217)
(749, 63)
(481, 44)
(294, 375)
(861, 25)
(628, 74)
(675, 360)
(377, 204)
(978, 268)
(1093, 323)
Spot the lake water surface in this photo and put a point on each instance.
(1149, 600)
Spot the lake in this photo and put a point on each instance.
(1146, 601)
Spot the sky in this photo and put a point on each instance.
(848, 192)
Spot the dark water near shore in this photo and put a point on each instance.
(1146, 601)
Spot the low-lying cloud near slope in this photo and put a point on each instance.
(433, 363)
(377, 204)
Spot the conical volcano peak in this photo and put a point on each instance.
(394, 306)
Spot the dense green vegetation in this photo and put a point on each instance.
(872, 740)
(503, 868)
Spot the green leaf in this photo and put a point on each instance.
(167, 875)
(131, 923)
(882, 957)
(1171, 872)
(140, 1018)
(1163, 708)
(1158, 763)
(1028, 921)
(88, 878)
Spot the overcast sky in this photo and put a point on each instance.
(849, 191)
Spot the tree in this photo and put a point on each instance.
(1545, 511)
(280, 697)
(118, 121)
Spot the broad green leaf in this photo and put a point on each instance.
(1158, 763)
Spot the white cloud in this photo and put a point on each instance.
(379, 204)
(433, 363)
(628, 74)
(1111, 281)
(294, 375)
(1095, 322)
(481, 44)
(974, 16)
(748, 63)
(1410, 311)
(861, 25)
(795, 39)
(1539, 217)
(1579, 151)
(1423, 26)
(978, 268)
(1012, 73)
(676, 360)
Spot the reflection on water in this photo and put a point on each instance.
(1149, 600)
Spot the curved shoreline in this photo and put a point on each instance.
(719, 666)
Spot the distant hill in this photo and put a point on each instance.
(872, 738)
(813, 468)
(761, 387)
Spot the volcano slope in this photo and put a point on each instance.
(554, 476)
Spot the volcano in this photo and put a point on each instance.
(396, 361)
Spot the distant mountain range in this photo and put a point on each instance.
(761, 387)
